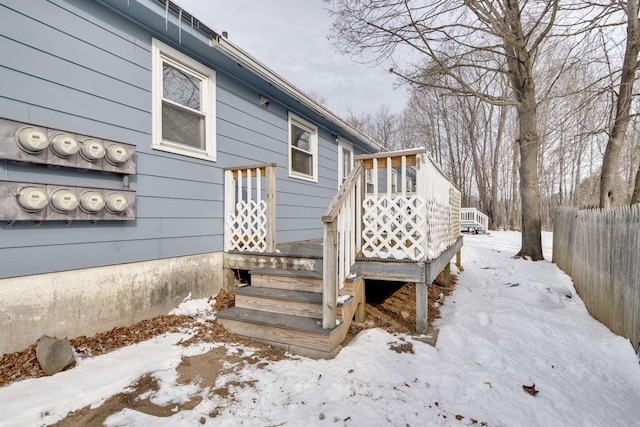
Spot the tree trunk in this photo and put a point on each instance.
(519, 62)
(635, 198)
(495, 168)
(623, 105)
(529, 185)
(513, 214)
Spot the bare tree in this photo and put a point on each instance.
(458, 46)
(608, 177)
(635, 197)
(382, 125)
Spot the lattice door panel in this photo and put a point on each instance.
(394, 227)
(248, 227)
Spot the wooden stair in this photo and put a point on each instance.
(284, 308)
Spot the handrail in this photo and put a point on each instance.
(341, 241)
(338, 200)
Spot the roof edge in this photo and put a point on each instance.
(239, 55)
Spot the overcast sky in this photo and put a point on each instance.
(291, 38)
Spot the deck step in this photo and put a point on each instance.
(284, 301)
(287, 329)
(295, 280)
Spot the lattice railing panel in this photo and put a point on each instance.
(456, 204)
(247, 227)
(394, 227)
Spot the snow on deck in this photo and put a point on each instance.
(509, 323)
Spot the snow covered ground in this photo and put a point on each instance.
(509, 323)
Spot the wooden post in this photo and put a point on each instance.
(422, 306)
(229, 205)
(270, 174)
(447, 274)
(361, 310)
(459, 260)
(329, 273)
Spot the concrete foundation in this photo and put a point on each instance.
(84, 302)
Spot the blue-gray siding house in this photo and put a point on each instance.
(147, 77)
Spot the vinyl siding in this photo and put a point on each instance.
(78, 66)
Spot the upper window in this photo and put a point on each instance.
(303, 149)
(184, 113)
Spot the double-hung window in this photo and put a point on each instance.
(184, 100)
(303, 149)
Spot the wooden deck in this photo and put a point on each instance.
(386, 232)
(307, 256)
(289, 282)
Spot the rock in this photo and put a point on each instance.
(404, 314)
(54, 355)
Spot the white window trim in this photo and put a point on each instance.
(313, 130)
(162, 52)
(343, 145)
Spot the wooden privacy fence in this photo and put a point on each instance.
(600, 250)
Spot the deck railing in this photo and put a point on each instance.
(250, 208)
(341, 243)
(379, 213)
(473, 218)
(403, 224)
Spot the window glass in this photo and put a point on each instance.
(182, 126)
(300, 138)
(302, 162)
(181, 87)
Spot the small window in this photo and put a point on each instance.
(345, 160)
(394, 181)
(183, 104)
(369, 179)
(303, 149)
(409, 185)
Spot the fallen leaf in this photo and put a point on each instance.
(531, 389)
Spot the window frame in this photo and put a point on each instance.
(313, 141)
(344, 146)
(163, 53)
